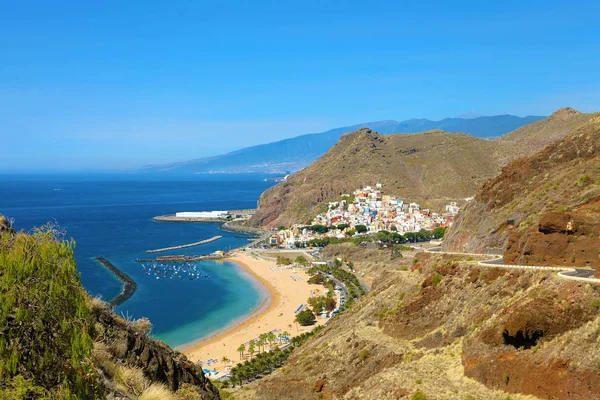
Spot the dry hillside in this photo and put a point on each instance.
(424, 166)
(430, 167)
(544, 209)
(442, 326)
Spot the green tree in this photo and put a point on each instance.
(360, 228)
(317, 303)
(306, 317)
(383, 236)
(318, 228)
(283, 260)
(251, 349)
(262, 340)
(438, 233)
(241, 349)
(330, 304)
(301, 260)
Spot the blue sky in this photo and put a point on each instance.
(115, 85)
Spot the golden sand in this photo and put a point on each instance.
(276, 312)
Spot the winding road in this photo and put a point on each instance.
(581, 274)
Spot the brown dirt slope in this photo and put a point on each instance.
(530, 334)
(421, 166)
(544, 209)
(430, 167)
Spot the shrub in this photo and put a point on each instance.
(584, 180)
(595, 305)
(142, 326)
(44, 318)
(418, 395)
(132, 379)
(364, 353)
(437, 278)
(156, 391)
(305, 318)
(96, 303)
(103, 359)
(505, 378)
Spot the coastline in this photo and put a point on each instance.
(272, 299)
(286, 289)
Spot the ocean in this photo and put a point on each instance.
(110, 216)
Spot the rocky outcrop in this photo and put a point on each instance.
(543, 210)
(158, 361)
(569, 239)
(525, 349)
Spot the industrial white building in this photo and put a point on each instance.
(202, 214)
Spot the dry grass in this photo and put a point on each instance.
(96, 303)
(156, 391)
(131, 379)
(142, 326)
(103, 358)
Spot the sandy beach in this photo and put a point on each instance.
(287, 290)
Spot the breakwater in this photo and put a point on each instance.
(181, 259)
(183, 246)
(129, 284)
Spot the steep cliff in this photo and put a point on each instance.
(544, 209)
(57, 342)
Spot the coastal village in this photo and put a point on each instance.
(367, 210)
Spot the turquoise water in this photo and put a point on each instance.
(110, 216)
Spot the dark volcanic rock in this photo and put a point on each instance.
(157, 360)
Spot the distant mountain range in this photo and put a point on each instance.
(291, 155)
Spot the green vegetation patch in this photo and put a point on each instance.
(44, 326)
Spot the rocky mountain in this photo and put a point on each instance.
(291, 155)
(430, 167)
(544, 209)
(439, 327)
(56, 342)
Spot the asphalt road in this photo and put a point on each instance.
(574, 272)
(580, 273)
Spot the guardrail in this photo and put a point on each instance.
(498, 263)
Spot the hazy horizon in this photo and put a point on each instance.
(113, 87)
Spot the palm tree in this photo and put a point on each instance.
(251, 349)
(286, 334)
(271, 338)
(225, 360)
(261, 342)
(241, 349)
(262, 338)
